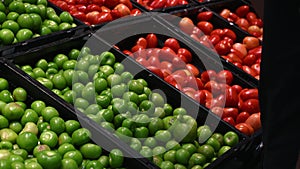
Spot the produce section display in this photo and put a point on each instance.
(177, 90)
(97, 12)
(24, 20)
(128, 107)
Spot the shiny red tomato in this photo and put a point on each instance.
(152, 41)
(204, 16)
(229, 120)
(79, 15)
(172, 43)
(185, 53)
(93, 7)
(242, 117)
(245, 128)
(254, 121)
(92, 17)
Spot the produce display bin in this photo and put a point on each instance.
(27, 44)
(99, 13)
(218, 23)
(98, 44)
(99, 135)
(233, 6)
(158, 26)
(164, 9)
(218, 6)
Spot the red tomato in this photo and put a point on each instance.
(135, 12)
(225, 76)
(222, 47)
(214, 39)
(225, 13)
(245, 128)
(92, 17)
(167, 54)
(241, 11)
(251, 16)
(213, 87)
(171, 3)
(84, 2)
(111, 3)
(70, 2)
(123, 9)
(251, 42)
(205, 26)
(230, 112)
(186, 53)
(218, 31)
(193, 69)
(254, 121)
(98, 2)
(217, 111)
(232, 98)
(178, 63)
(116, 14)
(156, 4)
(166, 65)
(251, 106)
(250, 59)
(243, 23)
(208, 75)
(136, 48)
(191, 82)
(237, 88)
(82, 8)
(172, 43)
(229, 33)
(105, 9)
(154, 61)
(186, 25)
(127, 52)
(203, 95)
(242, 117)
(127, 3)
(142, 61)
(182, 2)
(79, 15)
(233, 17)
(204, 16)
(93, 7)
(142, 42)
(172, 81)
(104, 17)
(63, 5)
(151, 40)
(234, 58)
(246, 94)
(229, 120)
(256, 67)
(156, 71)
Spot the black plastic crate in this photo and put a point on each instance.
(37, 41)
(218, 6)
(218, 23)
(99, 135)
(134, 7)
(232, 5)
(174, 97)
